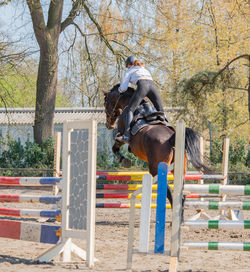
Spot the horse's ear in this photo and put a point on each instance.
(104, 92)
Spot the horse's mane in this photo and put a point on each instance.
(130, 91)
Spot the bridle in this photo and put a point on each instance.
(110, 116)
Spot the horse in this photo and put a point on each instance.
(152, 143)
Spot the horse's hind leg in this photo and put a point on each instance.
(170, 195)
(116, 150)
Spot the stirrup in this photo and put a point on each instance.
(123, 139)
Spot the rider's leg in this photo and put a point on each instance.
(155, 98)
(134, 102)
(128, 119)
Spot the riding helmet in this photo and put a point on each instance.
(130, 60)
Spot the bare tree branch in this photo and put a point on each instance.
(246, 56)
(242, 123)
(100, 31)
(5, 2)
(122, 44)
(236, 88)
(77, 5)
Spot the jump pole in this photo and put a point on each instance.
(240, 246)
(26, 231)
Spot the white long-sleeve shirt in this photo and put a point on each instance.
(132, 75)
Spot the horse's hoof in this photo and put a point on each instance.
(126, 163)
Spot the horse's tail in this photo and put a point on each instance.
(192, 147)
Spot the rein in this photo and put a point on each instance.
(112, 113)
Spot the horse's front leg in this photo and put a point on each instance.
(116, 150)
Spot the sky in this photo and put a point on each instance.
(15, 22)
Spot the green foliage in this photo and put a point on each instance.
(196, 87)
(18, 89)
(62, 101)
(207, 96)
(241, 174)
(239, 159)
(29, 155)
(136, 162)
(248, 159)
(107, 161)
(237, 153)
(217, 152)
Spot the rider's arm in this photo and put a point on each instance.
(125, 81)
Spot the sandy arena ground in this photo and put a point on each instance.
(111, 248)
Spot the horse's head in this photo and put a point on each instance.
(112, 106)
(114, 103)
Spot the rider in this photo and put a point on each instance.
(138, 75)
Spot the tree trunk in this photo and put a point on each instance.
(46, 91)
(47, 36)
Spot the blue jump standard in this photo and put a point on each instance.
(161, 208)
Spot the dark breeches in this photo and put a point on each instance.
(145, 88)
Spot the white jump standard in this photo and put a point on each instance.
(77, 213)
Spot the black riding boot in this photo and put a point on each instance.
(126, 136)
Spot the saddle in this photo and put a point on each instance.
(146, 115)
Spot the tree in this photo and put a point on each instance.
(47, 36)
(194, 41)
(177, 39)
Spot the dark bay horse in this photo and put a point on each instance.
(153, 143)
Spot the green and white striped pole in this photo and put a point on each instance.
(240, 246)
(218, 224)
(218, 205)
(218, 189)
